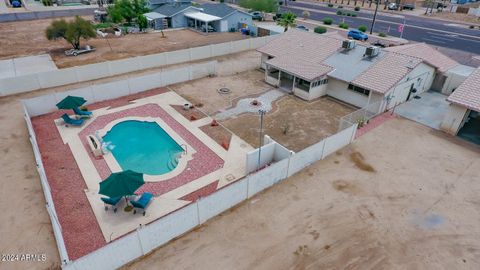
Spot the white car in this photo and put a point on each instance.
(76, 52)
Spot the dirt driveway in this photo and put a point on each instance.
(417, 209)
(28, 38)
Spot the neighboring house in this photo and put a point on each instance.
(205, 18)
(463, 116)
(172, 15)
(229, 18)
(311, 66)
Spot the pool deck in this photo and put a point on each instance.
(67, 158)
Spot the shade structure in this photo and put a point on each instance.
(70, 102)
(121, 184)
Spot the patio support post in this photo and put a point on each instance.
(293, 84)
(279, 72)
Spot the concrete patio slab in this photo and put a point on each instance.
(428, 110)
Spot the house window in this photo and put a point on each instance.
(303, 85)
(358, 89)
(320, 82)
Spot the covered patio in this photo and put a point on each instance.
(302, 77)
(202, 22)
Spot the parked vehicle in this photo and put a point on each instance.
(302, 27)
(392, 6)
(257, 15)
(16, 3)
(409, 6)
(76, 52)
(357, 34)
(210, 28)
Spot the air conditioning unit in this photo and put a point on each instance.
(372, 51)
(348, 44)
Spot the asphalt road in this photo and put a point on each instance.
(431, 31)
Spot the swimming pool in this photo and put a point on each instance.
(142, 147)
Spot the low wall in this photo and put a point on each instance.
(31, 82)
(100, 92)
(148, 237)
(281, 164)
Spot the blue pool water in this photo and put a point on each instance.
(143, 147)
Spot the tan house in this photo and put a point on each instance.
(311, 66)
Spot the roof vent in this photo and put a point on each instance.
(348, 44)
(372, 51)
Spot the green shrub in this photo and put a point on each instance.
(382, 34)
(102, 25)
(320, 29)
(472, 26)
(348, 14)
(340, 6)
(357, 8)
(362, 28)
(343, 25)
(327, 21)
(354, 14)
(47, 2)
(330, 5)
(339, 12)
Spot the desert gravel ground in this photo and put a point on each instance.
(400, 197)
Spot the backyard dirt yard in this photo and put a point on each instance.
(28, 38)
(293, 122)
(401, 197)
(204, 92)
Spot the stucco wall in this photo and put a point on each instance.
(238, 17)
(339, 90)
(453, 81)
(454, 118)
(421, 77)
(179, 20)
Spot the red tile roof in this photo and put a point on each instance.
(468, 93)
(427, 53)
(302, 68)
(387, 72)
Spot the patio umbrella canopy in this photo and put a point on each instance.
(71, 102)
(121, 184)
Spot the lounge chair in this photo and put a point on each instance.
(82, 113)
(111, 201)
(142, 203)
(70, 121)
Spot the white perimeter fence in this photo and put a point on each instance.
(361, 116)
(25, 83)
(148, 237)
(279, 163)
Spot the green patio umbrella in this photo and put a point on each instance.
(71, 102)
(121, 184)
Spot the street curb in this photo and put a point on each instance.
(391, 39)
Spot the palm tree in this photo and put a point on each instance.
(287, 20)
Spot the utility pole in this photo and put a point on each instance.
(374, 17)
(262, 113)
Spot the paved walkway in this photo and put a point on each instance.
(428, 110)
(244, 105)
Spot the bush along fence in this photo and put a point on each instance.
(31, 82)
(276, 163)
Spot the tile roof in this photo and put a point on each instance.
(387, 72)
(303, 44)
(302, 68)
(428, 53)
(468, 93)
